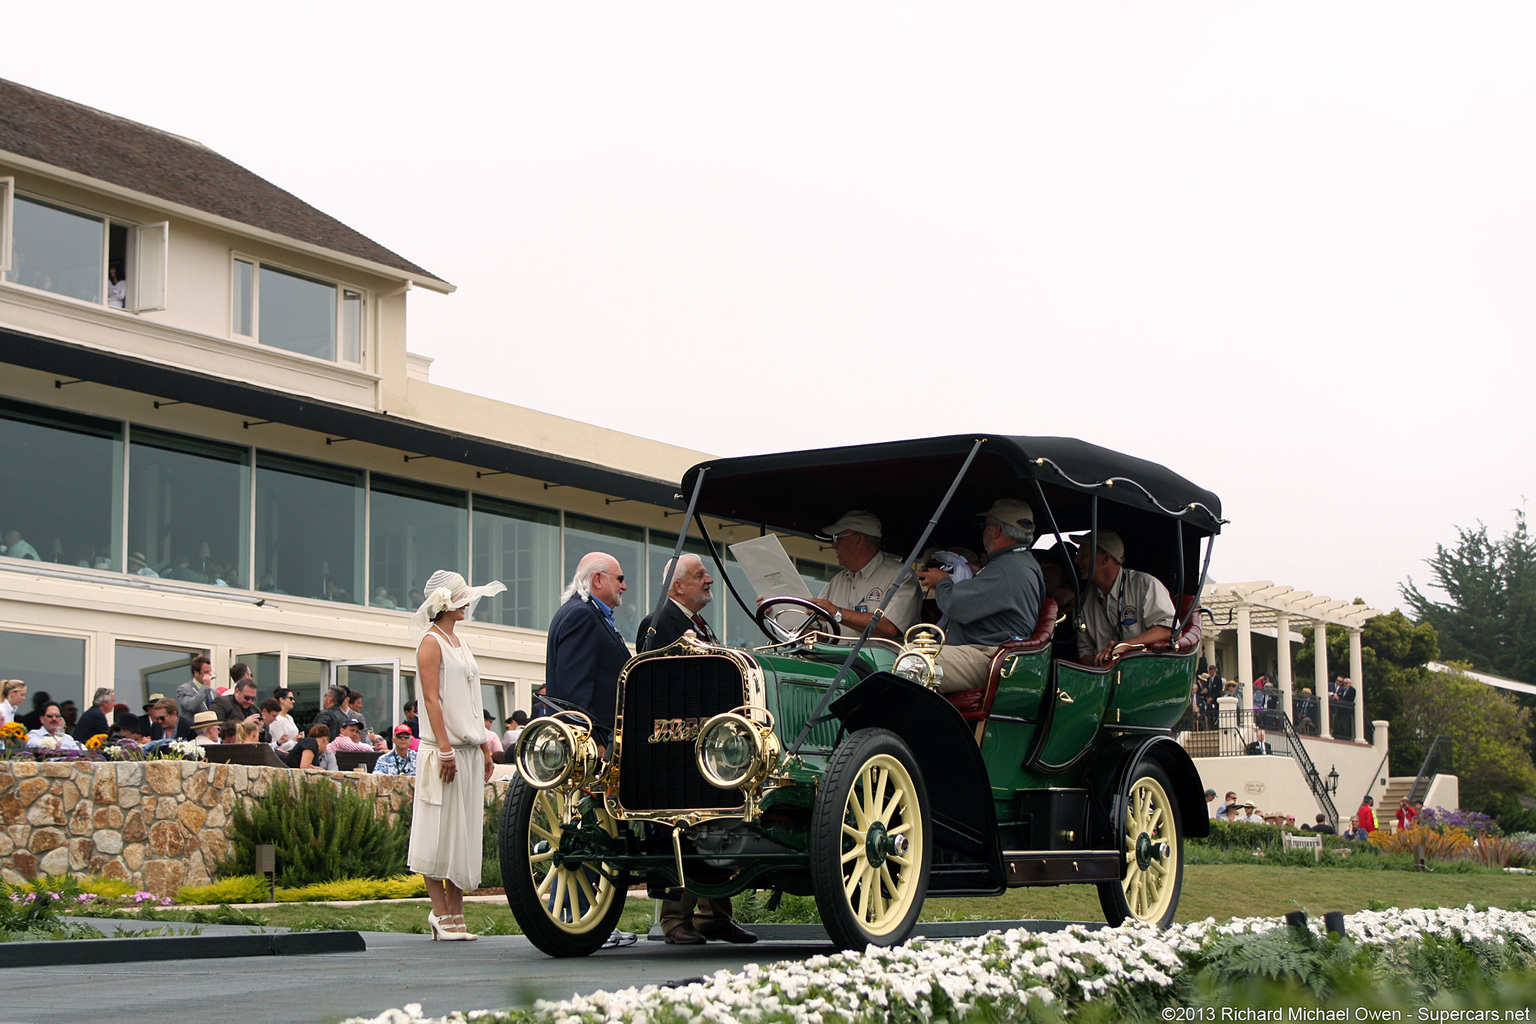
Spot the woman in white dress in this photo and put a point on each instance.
(454, 761)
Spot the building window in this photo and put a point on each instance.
(62, 496)
(82, 255)
(309, 528)
(414, 530)
(520, 546)
(139, 670)
(296, 313)
(627, 544)
(188, 507)
(53, 666)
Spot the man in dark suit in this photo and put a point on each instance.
(690, 591)
(95, 721)
(168, 724)
(239, 704)
(690, 920)
(585, 651)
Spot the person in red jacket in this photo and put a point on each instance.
(1366, 815)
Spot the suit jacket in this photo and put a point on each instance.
(670, 626)
(193, 697)
(1346, 695)
(92, 723)
(582, 659)
(183, 730)
(228, 708)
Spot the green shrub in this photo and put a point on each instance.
(239, 889)
(321, 832)
(490, 850)
(36, 910)
(108, 888)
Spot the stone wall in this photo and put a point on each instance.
(157, 824)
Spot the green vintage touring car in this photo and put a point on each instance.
(832, 766)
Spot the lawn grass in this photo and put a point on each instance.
(1210, 890)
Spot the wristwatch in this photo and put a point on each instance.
(837, 616)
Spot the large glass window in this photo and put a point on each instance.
(520, 546)
(188, 504)
(57, 250)
(62, 487)
(305, 679)
(376, 682)
(627, 544)
(52, 666)
(309, 530)
(415, 529)
(295, 312)
(139, 670)
(816, 574)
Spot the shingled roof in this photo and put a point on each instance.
(78, 138)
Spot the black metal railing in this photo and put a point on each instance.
(1436, 762)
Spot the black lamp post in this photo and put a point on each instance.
(1333, 781)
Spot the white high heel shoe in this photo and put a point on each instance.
(435, 925)
(460, 929)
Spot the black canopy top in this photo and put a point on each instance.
(902, 482)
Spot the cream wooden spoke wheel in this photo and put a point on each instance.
(1153, 845)
(870, 841)
(566, 900)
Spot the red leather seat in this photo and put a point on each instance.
(976, 705)
(1189, 639)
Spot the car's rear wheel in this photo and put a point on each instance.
(1153, 844)
(564, 898)
(870, 841)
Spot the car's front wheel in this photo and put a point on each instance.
(870, 841)
(564, 898)
(1153, 845)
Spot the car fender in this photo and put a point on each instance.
(1114, 765)
(959, 791)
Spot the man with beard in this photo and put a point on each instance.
(690, 920)
(691, 589)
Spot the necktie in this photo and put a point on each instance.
(703, 627)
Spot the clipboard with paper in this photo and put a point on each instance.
(772, 574)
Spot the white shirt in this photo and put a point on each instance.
(7, 712)
(283, 732)
(37, 737)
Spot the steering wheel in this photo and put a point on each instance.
(814, 612)
(559, 704)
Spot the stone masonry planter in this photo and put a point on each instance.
(159, 825)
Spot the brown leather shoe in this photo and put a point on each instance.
(724, 931)
(684, 935)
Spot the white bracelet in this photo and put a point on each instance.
(446, 757)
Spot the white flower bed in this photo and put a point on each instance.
(939, 980)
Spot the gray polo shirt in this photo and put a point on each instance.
(1135, 603)
(999, 603)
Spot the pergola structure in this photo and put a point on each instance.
(1245, 607)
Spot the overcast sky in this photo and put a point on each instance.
(1284, 249)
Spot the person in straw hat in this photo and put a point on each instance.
(454, 761)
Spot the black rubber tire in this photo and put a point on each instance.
(529, 818)
(869, 894)
(1150, 891)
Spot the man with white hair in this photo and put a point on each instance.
(97, 719)
(1121, 606)
(999, 603)
(690, 591)
(585, 650)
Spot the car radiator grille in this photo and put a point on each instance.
(664, 776)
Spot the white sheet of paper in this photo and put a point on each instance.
(768, 568)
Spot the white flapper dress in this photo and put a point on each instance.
(447, 820)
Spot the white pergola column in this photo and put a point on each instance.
(1208, 648)
(1244, 654)
(1320, 678)
(1356, 676)
(1283, 656)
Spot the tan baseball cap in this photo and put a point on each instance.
(1011, 511)
(858, 521)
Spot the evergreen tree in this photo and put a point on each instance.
(1489, 619)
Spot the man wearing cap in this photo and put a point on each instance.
(400, 759)
(852, 596)
(205, 728)
(1210, 803)
(998, 604)
(1122, 606)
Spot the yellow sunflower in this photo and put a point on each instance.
(95, 742)
(14, 731)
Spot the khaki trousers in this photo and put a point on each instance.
(691, 909)
(965, 666)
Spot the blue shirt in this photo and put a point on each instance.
(390, 763)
